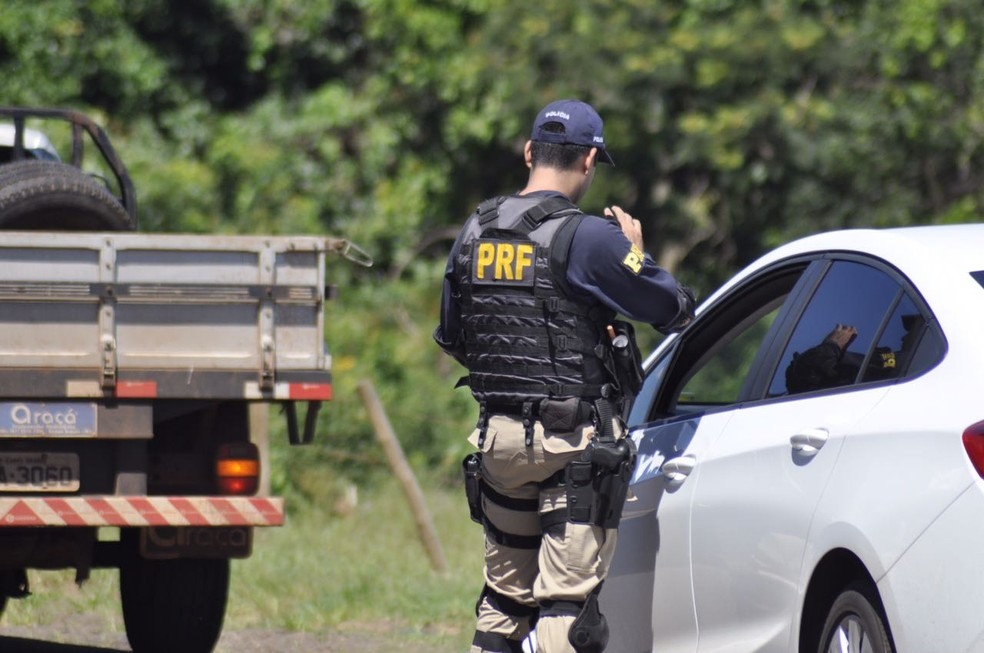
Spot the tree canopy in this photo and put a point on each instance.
(735, 124)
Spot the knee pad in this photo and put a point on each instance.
(589, 632)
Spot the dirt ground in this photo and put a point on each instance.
(86, 634)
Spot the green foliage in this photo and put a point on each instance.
(735, 126)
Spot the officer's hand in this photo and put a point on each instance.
(630, 226)
(842, 335)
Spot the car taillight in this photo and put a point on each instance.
(237, 468)
(973, 441)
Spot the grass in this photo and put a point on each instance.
(322, 571)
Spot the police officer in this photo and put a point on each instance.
(530, 296)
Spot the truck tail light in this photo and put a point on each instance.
(973, 441)
(237, 468)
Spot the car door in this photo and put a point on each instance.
(648, 589)
(648, 596)
(761, 480)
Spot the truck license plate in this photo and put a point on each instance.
(39, 472)
(164, 542)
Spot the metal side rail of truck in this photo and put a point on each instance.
(131, 369)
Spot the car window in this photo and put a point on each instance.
(720, 379)
(837, 329)
(906, 347)
(709, 365)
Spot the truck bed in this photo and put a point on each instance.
(126, 315)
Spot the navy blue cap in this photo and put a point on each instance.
(582, 126)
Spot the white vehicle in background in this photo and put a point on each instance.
(36, 144)
(811, 453)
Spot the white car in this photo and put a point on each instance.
(811, 453)
(36, 145)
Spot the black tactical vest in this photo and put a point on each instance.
(525, 339)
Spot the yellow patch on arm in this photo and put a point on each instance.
(633, 260)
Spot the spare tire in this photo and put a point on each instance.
(12, 172)
(47, 195)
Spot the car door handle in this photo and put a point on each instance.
(676, 470)
(809, 442)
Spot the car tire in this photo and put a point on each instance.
(47, 195)
(172, 605)
(855, 625)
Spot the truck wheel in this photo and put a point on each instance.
(854, 624)
(56, 196)
(172, 605)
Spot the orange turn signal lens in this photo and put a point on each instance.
(237, 468)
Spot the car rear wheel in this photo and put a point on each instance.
(854, 625)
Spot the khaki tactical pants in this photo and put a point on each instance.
(572, 558)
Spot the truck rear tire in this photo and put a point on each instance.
(57, 196)
(172, 605)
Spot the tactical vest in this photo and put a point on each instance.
(525, 338)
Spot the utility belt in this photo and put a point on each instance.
(554, 414)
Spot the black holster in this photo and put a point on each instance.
(472, 468)
(628, 359)
(598, 484)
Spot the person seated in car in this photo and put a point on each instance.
(826, 365)
(829, 364)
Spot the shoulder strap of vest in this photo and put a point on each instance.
(488, 212)
(560, 250)
(545, 209)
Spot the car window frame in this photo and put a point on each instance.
(812, 268)
(714, 324)
(818, 271)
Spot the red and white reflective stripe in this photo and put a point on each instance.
(287, 391)
(141, 511)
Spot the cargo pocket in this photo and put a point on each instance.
(555, 443)
(490, 433)
(586, 547)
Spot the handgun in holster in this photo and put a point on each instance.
(598, 484)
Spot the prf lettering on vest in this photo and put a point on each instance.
(633, 260)
(504, 262)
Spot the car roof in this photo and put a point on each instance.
(923, 251)
(960, 243)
